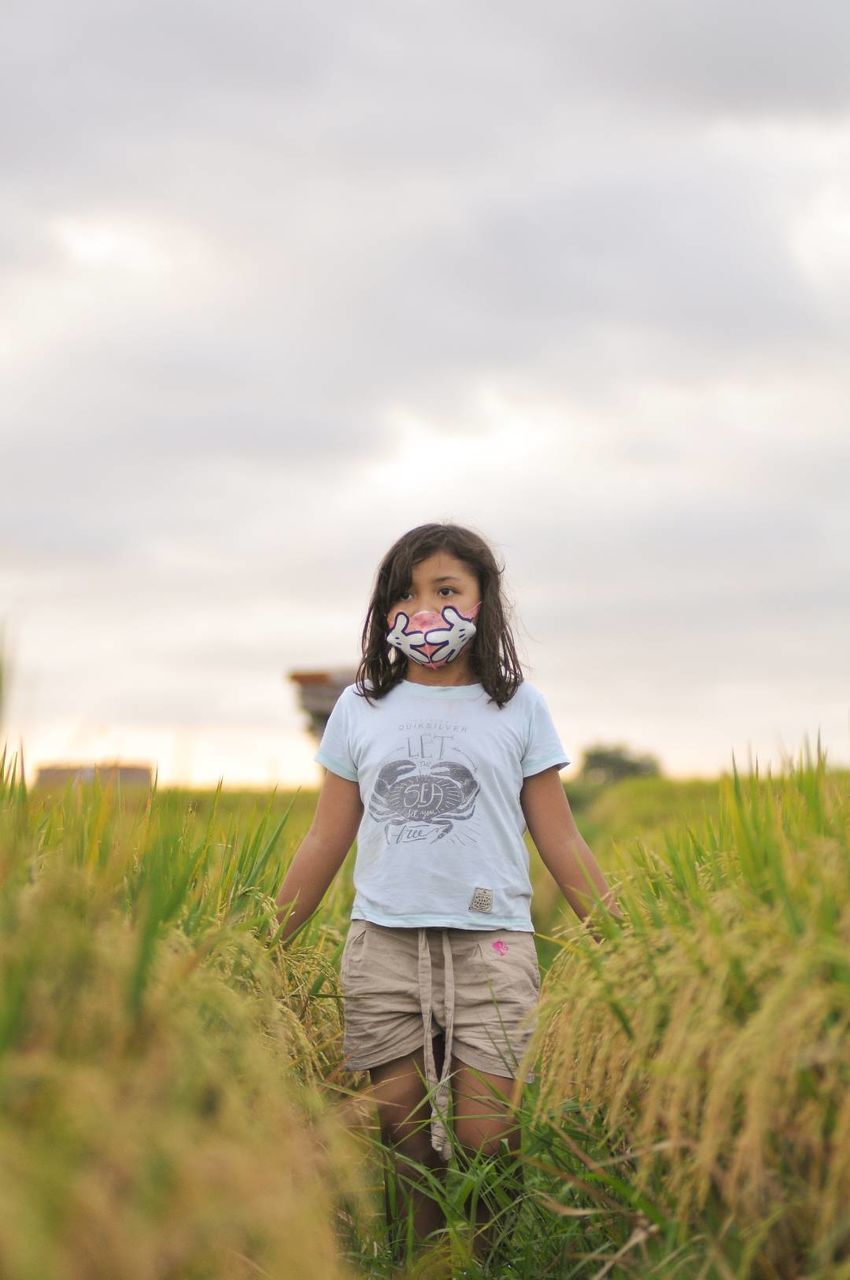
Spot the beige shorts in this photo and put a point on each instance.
(482, 985)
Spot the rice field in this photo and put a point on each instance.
(174, 1105)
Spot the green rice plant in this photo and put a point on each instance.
(646, 808)
(166, 1067)
(563, 1208)
(710, 1035)
(161, 1113)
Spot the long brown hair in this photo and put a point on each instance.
(492, 656)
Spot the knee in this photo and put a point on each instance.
(408, 1137)
(477, 1141)
(403, 1119)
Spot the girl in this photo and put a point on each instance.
(438, 758)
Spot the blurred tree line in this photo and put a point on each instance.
(603, 765)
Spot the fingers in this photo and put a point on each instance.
(421, 658)
(445, 649)
(400, 621)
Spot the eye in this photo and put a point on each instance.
(451, 590)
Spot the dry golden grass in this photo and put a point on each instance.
(712, 1032)
(160, 1110)
(166, 1065)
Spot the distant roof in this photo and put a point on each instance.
(318, 691)
(335, 676)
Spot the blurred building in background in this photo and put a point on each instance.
(128, 775)
(318, 692)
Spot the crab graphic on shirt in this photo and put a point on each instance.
(421, 799)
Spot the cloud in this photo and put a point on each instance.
(759, 58)
(288, 281)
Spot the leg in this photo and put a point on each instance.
(482, 1119)
(398, 1088)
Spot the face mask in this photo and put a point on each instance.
(433, 639)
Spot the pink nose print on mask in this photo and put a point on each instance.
(427, 620)
(501, 948)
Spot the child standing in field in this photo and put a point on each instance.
(438, 758)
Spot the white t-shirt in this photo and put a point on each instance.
(440, 770)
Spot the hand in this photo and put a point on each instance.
(410, 644)
(448, 645)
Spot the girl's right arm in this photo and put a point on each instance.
(321, 853)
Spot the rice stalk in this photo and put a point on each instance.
(160, 1106)
(713, 1030)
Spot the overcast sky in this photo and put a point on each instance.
(282, 280)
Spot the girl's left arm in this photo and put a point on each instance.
(560, 844)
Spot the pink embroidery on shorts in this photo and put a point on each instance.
(500, 947)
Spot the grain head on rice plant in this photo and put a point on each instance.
(159, 1062)
(166, 1067)
(711, 1033)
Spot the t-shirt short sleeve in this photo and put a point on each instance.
(543, 748)
(335, 748)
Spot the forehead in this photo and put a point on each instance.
(442, 565)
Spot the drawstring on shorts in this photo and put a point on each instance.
(440, 1096)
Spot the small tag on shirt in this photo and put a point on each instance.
(482, 900)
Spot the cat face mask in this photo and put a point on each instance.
(432, 639)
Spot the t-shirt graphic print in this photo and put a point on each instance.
(440, 770)
(427, 791)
